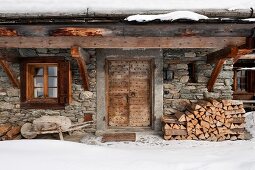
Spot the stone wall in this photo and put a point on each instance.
(181, 90)
(83, 102)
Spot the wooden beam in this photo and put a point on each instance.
(7, 32)
(83, 32)
(10, 73)
(138, 30)
(241, 52)
(77, 54)
(228, 52)
(215, 73)
(248, 57)
(120, 42)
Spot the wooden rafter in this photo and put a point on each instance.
(219, 64)
(78, 54)
(120, 42)
(10, 73)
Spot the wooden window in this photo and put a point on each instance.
(45, 83)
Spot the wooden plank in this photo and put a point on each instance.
(77, 54)
(119, 137)
(10, 73)
(120, 42)
(141, 30)
(83, 32)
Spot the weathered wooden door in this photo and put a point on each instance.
(129, 93)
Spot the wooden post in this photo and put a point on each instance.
(10, 73)
(78, 55)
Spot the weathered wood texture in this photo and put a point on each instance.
(7, 32)
(241, 53)
(225, 53)
(78, 55)
(10, 73)
(137, 30)
(129, 93)
(118, 137)
(120, 42)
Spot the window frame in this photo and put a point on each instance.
(64, 89)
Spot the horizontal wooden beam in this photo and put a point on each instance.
(137, 30)
(120, 42)
(248, 57)
(10, 73)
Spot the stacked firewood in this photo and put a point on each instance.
(207, 120)
(9, 132)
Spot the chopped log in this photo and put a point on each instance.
(45, 122)
(202, 136)
(195, 106)
(167, 137)
(176, 126)
(180, 116)
(205, 124)
(226, 103)
(240, 111)
(230, 108)
(213, 101)
(189, 114)
(194, 122)
(27, 131)
(13, 132)
(170, 132)
(166, 126)
(198, 132)
(118, 137)
(4, 128)
(170, 119)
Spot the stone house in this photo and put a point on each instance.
(123, 75)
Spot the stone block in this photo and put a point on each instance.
(86, 95)
(182, 66)
(5, 105)
(184, 79)
(42, 50)
(211, 95)
(190, 54)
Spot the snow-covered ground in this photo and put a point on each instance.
(150, 152)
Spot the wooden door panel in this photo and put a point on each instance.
(129, 93)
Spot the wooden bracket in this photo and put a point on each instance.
(215, 73)
(79, 55)
(10, 73)
(241, 53)
(225, 53)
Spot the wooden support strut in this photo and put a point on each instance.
(10, 73)
(218, 67)
(78, 54)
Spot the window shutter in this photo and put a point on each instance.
(65, 83)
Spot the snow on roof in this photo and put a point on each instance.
(115, 6)
(167, 17)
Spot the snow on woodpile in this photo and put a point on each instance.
(167, 17)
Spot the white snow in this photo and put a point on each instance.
(148, 153)
(249, 19)
(167, 17)
(112, 6)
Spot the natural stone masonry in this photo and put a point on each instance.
(83, 102)
(180, 91)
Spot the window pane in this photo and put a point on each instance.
(38, 92)
(52, 71)
(52, 82)
(38, 81)
(39, 71)
(53, 92)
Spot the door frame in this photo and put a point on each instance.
(152, 67)
(157, 92)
